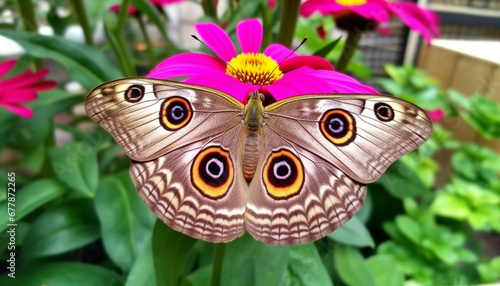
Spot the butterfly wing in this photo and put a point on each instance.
(196, 189)
(149, 117)
(319, 152)
(183, 141)
(297, 196)
(360, 134)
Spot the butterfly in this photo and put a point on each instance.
(290, 172)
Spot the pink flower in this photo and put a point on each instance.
(133, 11)
(363, 14)
(241, 74)
(21, 88)
(436, 114)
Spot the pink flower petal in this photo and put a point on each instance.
(186, 64)
(436, 114)
(250, 35)
(324, 7)
(25, 79)
(6, 66)
(314, 62)
(279, 52)
(18, 95)
(342, 83)
(298, 82)
(18, 110)
(222, 82)
(217, 40)
(416, 19)
(373, 10)
(271, 4)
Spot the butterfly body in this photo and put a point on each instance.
(290, 172)
(252, 135)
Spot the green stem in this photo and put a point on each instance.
(219, 250)
(84, 22)
(209, 8)
(124, 54)
(149, 45)
(267, 25)
(125, 58)
(29, 23)
(122, 15)
(289, 17)
(351, 44)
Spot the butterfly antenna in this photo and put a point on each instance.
(227, 63)
(271, 73)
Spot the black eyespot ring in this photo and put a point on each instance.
(134, 93)
(212, 172)
(384, 111)
(175, 113)
(283, 174)
(338, 126)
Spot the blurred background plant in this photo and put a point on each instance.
(429, 220)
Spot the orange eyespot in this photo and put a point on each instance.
(212, 172)
(134, 93)
(338, 126)
(283, 174)
(175, 113)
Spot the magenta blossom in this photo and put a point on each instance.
(367, 14)
(240, 74)
(21, 88)
(436, 114)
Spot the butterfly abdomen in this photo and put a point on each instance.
(252, 136)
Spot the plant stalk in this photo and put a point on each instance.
(219, 250)
(124, 55)
(149, 45)
(209, 8)
(81, 14)
(351, 44)
(29, 24)
(289, 17)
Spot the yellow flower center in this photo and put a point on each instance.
(257, 69)
(351, 2)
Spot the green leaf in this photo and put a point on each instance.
(410, 228)
(324, 51)
(62, 274)
(142, 272)
(30, 198)
(305, 267)
(87, 65)
(200, 277)
(62, 228)
(126, 221)
(402, 181)
(352, 267)
(150, 10)
(354, 233)
(76, 165)
(250, 262)
(385, 270)
(450, 205)
(170, 252)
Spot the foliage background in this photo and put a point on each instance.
(80, 221)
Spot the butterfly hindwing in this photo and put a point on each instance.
(196, 189)
(296, 196)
